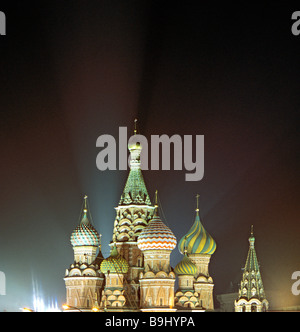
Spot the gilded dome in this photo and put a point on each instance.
(197, 240)
(185, 267)
(85, 234)
(115, 263)
(156, 236)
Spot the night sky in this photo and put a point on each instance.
(71, 71)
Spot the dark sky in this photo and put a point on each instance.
(71, 71)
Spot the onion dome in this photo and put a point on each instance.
(115, 263)
(197, 240)
(85, 234)
(156, 236)
(185, 267)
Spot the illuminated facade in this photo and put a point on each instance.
(84, 280)
(137, 276)
(252, 296)
(157, 280)
(195, 284)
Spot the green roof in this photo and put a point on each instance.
(135, 191)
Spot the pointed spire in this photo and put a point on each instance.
(85, 208)
(135, 126)
(197, 209)
(251, 285)
(85, 212)
(251, 238)
(156, 203)
(135, 191)
(185, 247)
(100, 242)
(156, 200)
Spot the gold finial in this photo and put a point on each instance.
(156, 204)
(100, 244)
(85, 204)
(197, 198)
(156, 200)
(185, 246)
(251, 230)
(135, 126)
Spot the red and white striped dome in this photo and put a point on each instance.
(156, 236)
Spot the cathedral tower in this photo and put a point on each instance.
(84, 279)
(251, 293)
(132, 215)
(157, 279)
(199, 247)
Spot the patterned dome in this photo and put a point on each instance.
(156, 236)
(114, 263)
(197, 240)
(185, 267)
(85, 234)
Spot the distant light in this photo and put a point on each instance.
(65, 307)
(40, 306)
(27, 310)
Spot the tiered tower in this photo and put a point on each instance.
(84, 280)
(132, 215)
(252, 296)
(198, 245)
(157, 280)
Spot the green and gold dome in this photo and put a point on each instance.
(185, 267)
(115, 263)
(197, 240)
